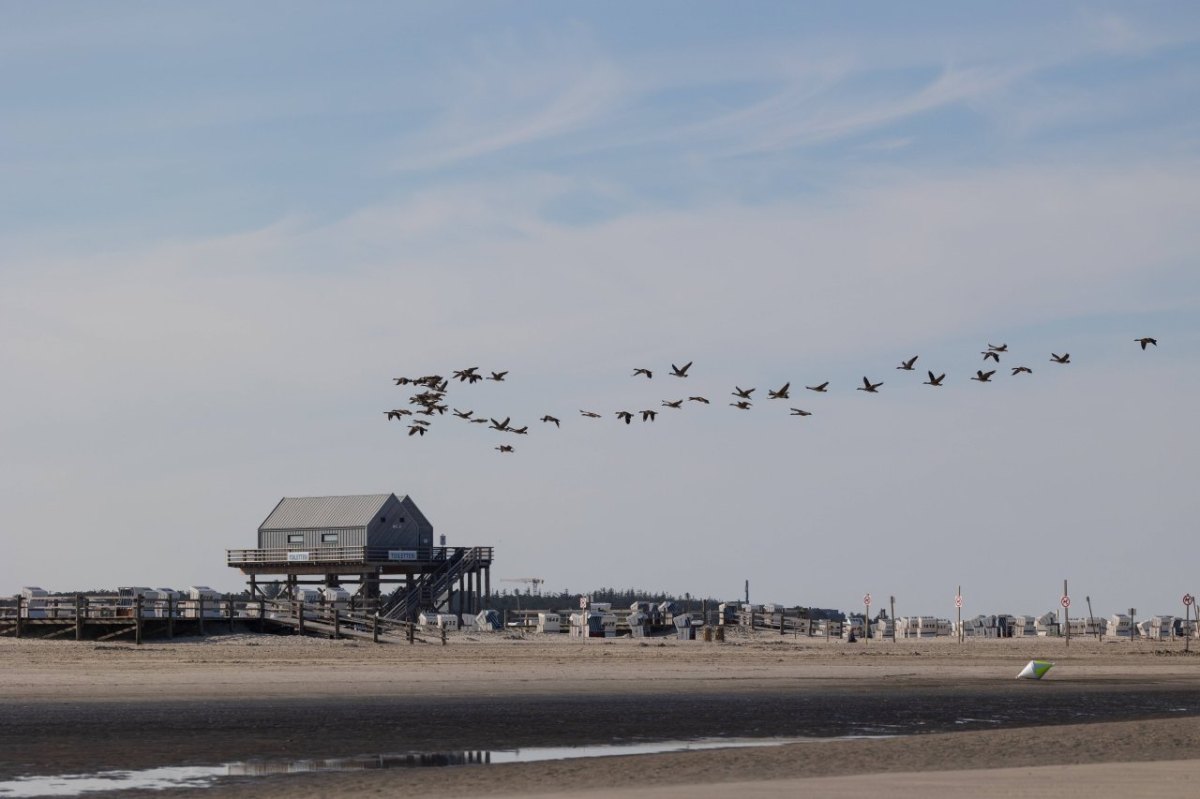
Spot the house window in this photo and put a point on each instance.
(329, 538)
(295, 538)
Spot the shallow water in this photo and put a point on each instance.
(206, 776)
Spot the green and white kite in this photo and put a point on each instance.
(1035, 670)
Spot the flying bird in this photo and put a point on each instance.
(680, 371)
(498, 377)
(645, 372)
(1064, 358)
(504, 448)
(672, 403)
(397, 413)
(626, 415)
(935, 381)
(1017, 370)
(741, 405)
(466, 374)
(501, 426)
(1145, 341)
(782, 393)
(868, 386)
(590, 414)
(549, 418)
(995, 356)
(743, 393)
(698, 399)
(821, 388)
(983, 377)
(908, 365)
(521, 431)
(648, 416)
(995, 348)
(478, 421)
(402, 381)
(416, 429)
(798, 412)
(463, 414)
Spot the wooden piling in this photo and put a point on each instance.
(375, 628)
(200, 614)
(137, 620)
(17, 626)
(170, 616)
(262, 614)
(229, 610)
(79, 617)
(337, 623)
(299, 606)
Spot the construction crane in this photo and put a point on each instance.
(534, 583)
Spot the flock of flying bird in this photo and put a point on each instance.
(432, 390)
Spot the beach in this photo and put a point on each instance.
(928, 717)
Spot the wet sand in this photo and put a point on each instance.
(78, 707)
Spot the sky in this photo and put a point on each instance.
(225, 228)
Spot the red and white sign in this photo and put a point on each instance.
(1188, 599)
(958, 601)
(1066, 601)
(867, 600)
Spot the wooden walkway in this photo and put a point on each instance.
(102, 618)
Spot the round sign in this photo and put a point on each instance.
(867, 599)
(1066, 601)
(958, 601)
(1188, 599)
(583, 603)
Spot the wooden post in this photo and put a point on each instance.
(375, 628)
(299, 610)
(262, 613)
(200, 613)
(410, 631)
(1091, 620)
(229, 609)
(170, 616)
(337, 623)
(443, 636)
(79, 617)
(892, 599)
(1067, 614)
(810, 622)
(17, 628)
(137, 620)
(958, 607)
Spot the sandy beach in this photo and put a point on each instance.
(912, 718)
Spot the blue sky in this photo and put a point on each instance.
(223, 230)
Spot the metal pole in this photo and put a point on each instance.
(893, 611)
(137, 621)
(1067, 614)
(958, 603)
(17, 629)
(1091, 620)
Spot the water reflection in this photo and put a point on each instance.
(206, 776)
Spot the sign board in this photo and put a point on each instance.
(1065, 601)
(297, 556)
(583, 603)
(958, 601)
(867, 600)
(1188, 599)
(402, 554)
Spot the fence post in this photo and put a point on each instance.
(17, 629)
(337, 623)
(300, 615)
(170, 616)
(375, 628)
(443, 636)
(229, 608)
(262, 613)
(200, 612)
(137, 620)
(79, 617)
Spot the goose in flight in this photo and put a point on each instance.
(995, 356)
(680, 371)
(549, 418)
(743, 393)
(498, 377)
(402, 381)
(1018, 370)
(417, 429)
(1064, 358)
(501, 426)
(626, 415)
(648, 416)
(983, 377)
(645, 372)
(798, 412)
(935, 381)
(504, 448)
(869, 387)
(782, 393)
(478, 421)
(698, 399)
(672, 403)
(997, 348)
(463, 414)
(590, 414)
(908, 365)
(521, 431)
(741, 405)
(464, 375)
(821, 388)
(1145, 341)
(397, 413)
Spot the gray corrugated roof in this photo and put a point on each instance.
(322, 512)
